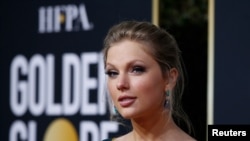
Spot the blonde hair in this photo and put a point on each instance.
(164, 50)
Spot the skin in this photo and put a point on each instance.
(133, 73)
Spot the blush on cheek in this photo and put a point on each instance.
(152, 88)
(144, 87)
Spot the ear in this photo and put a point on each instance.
(171, 79)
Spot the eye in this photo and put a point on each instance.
(138, 69)
(111, 73)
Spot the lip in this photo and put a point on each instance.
(126, 101)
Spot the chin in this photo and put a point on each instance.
(128, 115)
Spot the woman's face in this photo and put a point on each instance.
(135, 81)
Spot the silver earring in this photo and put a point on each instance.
(166, 104)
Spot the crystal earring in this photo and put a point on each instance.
(167, 93)
(167, 104)
(116, 111)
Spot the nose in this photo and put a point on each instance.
(122, 82)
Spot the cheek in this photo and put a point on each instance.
(151, 93)
(150, 86)
(112, 90)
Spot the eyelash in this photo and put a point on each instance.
(135, 70)
(138, 69)
(111, 73)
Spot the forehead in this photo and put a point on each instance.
(129, 49)
(131, 45)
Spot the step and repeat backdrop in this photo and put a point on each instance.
(52, 77)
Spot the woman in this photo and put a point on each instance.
(145, 81)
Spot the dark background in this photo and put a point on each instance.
(232, 66)
(188, 22)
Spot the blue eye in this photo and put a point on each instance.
(111, 73)
(138, 69)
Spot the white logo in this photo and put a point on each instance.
(68, 18)
(32, 83)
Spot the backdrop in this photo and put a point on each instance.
(52, 79)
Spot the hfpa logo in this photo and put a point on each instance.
(66, 18)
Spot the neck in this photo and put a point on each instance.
(153, 127)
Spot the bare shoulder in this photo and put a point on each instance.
(190, 139)
(187, 137)
(184, 138)
(176, 136)
(180, 135)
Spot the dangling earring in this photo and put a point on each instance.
(167, 93)
(116, 111)
(167, 104)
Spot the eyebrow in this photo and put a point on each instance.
(128, 63)
(108, 64)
